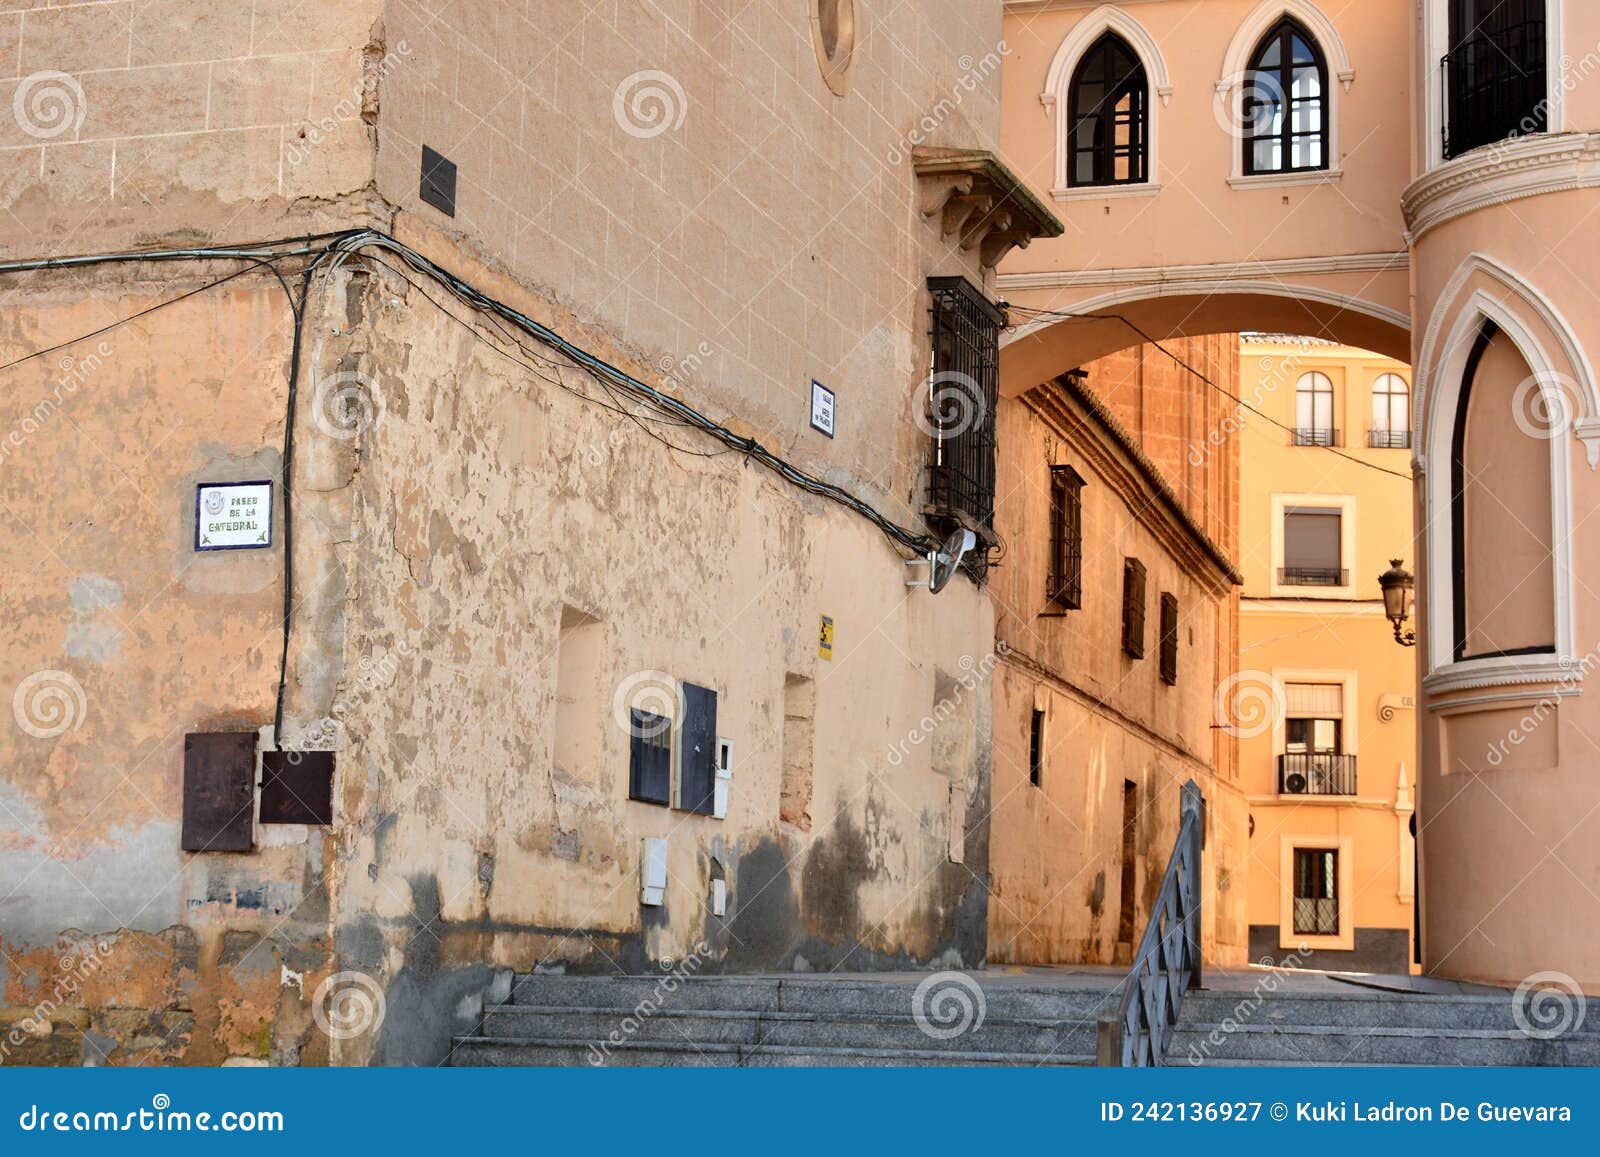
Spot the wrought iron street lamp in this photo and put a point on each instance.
(1398, 584)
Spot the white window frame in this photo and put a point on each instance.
(1348, 561)
(1345, 941)
(1056, 98)
(1436, 394)
(1236, 63)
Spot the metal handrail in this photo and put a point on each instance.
(1167, 963)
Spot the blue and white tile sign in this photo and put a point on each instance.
(233, 515)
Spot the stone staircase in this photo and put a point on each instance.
(782, 1020)
(1318, 1025)
(1040, 1017)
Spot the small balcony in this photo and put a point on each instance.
(1316, 436)
(1389, 439)
(1494, 84)
(1316, 773)
(1313, 576)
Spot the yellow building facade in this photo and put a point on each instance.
(1324, 701)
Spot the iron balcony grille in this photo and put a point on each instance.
(1316, 773)
(1494, 87)
(1316, 436)
(1313, 576)
(1389, 439)
(962, 396)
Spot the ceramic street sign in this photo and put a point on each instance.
(232, 515)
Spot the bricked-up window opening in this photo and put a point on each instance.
(580, 650)
(1133, 608)
(1316, 892)
(1285, 111)
(961, 398)
(1169, 638)
(1494, 73)
(650, 757)
(1110, 116)
(799, 744)
(1036, 748)
(1066, 537)
(1128, 884)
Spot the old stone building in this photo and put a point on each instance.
(1116, 623)
(561, 381)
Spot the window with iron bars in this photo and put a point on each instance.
(1169, 638)
(1133, 608)
(962, 392)
(1494, 76)
(1065, 587)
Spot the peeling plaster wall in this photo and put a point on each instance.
(120, 639)
(490, 500)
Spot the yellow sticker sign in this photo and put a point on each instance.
(825, 638)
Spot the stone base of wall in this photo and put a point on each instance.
(1376, 950)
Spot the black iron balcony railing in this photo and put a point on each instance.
(1316, 436)
(1389, 439)
(1316, 773)
(1494, 87)
(1313, 576)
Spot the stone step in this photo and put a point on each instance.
(1359, 1010)
(1198, 1042)
(1034, 1037)
(537, 1051)
(891, 996)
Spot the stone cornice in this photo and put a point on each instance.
(981, 201)
(1496, 174)
(1074, 412)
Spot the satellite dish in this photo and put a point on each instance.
(943, 563)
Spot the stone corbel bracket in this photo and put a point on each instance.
(980, 201)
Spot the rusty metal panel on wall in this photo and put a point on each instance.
(297, 787)
(219, 774)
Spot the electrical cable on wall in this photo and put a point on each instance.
(327, 251)
(1067, 315)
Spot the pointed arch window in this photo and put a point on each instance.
(1108, 112)
(1285, 94)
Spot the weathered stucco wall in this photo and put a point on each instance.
(120, 639)
(1056, 849)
